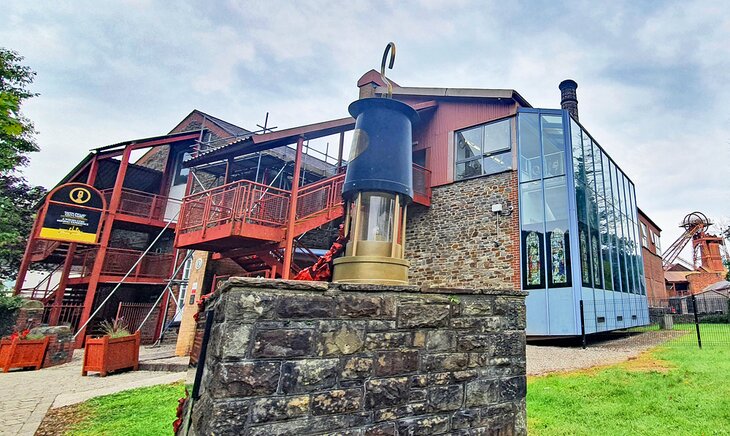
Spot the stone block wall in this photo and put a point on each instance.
(60, 345)
(298, 358)
(460, 242)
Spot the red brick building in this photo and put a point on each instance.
(656, 289)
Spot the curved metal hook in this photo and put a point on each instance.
(390, 48)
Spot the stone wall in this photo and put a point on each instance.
(460, 242)
(60, 345)
(297, 358)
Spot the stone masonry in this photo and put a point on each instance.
(299, 358)
(460, 242)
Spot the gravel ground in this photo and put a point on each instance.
(543, 358)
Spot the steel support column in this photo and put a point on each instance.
(288, 254)
(103, 245)
(339, 152)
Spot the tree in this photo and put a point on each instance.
(16, 131)
(17, 197)
(17, 201)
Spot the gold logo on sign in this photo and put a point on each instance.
(80, 195)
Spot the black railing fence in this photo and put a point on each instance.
(693, 320)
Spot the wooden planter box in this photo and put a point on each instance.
(22, 353)
(105, 354)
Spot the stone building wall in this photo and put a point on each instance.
(460, 242)
(298, 358)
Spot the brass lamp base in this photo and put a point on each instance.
(377, 270)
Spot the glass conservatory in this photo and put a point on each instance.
(578, 230)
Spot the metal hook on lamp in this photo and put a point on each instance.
(389, 49)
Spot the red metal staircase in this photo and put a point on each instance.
(247, 221)
(247, 215)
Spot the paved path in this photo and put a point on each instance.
(26, 396)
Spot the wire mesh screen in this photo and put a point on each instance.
(693, 320)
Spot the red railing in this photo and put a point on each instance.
(139, 203)
(44, 247)
(119, 261)
(133, 314)
(249, 202)
(67, 314)
(238, 201)
(319, 196)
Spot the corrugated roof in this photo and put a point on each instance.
(720, 286)
(279, 138)
(676, 276)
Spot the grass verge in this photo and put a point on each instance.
(672, 390)
(143, 411)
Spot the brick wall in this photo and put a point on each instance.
(460, 242)
(700, 280)
(288, 357)
(656, 288)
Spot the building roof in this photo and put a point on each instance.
(279, 138)
(232, 129)
(171, 137)
(723, 286)
(676, 276)
(497, 94)
(641, 213)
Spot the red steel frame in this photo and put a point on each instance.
(115, 210)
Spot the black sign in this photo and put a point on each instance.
(73, 213)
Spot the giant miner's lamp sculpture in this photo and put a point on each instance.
(378, 187)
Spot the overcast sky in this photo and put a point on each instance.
(654, 77)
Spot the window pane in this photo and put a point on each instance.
(557, 224)
(468, 143)
(497, 163)
(533, 245)
(605, 243)
(497, 136)
(579, 169)
(531, 210)
(468, 169)
(553, 145)
(529, 144)
(597, 169)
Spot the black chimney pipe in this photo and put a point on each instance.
(568, 97)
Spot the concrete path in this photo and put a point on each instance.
(26, 396)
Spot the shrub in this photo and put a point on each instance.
(9, 305)
(715, 319)
(115, 329)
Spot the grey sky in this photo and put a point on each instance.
(653, 76)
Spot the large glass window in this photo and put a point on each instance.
(485, 149)
(530, 155)
(553, 146)
(557, 236)
(544, 208)
(532, 223)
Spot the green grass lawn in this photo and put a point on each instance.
(144, 411)
(674, 390)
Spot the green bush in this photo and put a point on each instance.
(715, 319)
(9, 304)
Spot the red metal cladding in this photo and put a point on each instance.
(434, 129)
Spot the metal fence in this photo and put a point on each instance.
(693, 320)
